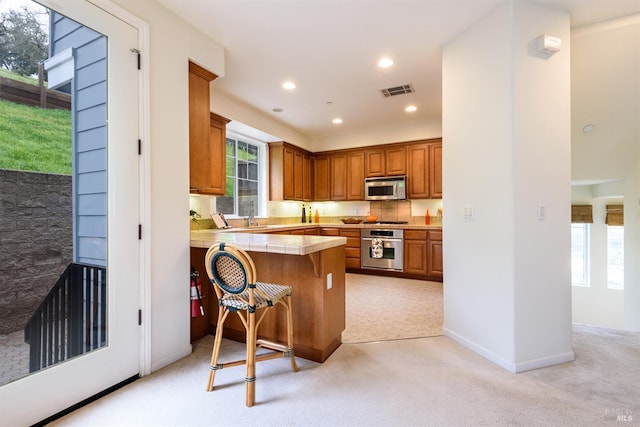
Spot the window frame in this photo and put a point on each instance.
(586, 270)
(261, 180)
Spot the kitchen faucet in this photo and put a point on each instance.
(250, 218)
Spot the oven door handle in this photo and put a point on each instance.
(384, 241)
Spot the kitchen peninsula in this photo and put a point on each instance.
(314, 266)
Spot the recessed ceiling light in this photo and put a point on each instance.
(337, 120)
(277, 110)
(289, 85)
(588, 128)
(411, 109)
(385, 63)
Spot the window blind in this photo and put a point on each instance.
(615, 215)
(581, 214)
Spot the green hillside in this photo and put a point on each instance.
(35, 139)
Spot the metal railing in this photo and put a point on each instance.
(72, 318)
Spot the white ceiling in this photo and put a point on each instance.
(330, 49)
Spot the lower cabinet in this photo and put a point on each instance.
(352, 249)
(415, 252)
(434, 253)
(423, 253)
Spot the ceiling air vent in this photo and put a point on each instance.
(397, 90)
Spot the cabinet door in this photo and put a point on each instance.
(375, 163)
(396, 161)
(321, 174)
(307, 178)
(415, 256)
(298, 175)
(288, 177)
(435, 254)
(339, 176)
(355, 175)
(202, 156)
(217, 170)
(417, 176)
(435, 171)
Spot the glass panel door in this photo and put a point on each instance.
(78, 281)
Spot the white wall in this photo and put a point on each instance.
(172, 43)
(507, 275)
(424, 129)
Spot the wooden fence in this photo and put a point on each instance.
(39, 96)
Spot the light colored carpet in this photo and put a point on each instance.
(386, 308)
(416, 382)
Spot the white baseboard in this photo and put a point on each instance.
(510, 366)
(169, 359)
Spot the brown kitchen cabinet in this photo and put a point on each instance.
(355, 175)
(307, 178)
(435, 171)
(375, 163)
(321, 178)
(352, 248)
(338, 176)
(207, 137)
(415, 252)
(424, 174)
(387, 161)
(289, 173)
(418, 171)
(434, 254)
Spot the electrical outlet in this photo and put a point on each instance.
(329, 281)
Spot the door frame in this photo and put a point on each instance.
(41, 403)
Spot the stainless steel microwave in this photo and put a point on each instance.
(385, 188)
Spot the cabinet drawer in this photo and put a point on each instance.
(352, 253)
(350, 232)
(415, 234)
(435, 235)
(329, 231)
(352, 262)
(352, 242)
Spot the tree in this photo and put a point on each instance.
(23, 42)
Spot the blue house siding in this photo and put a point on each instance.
(89, 94)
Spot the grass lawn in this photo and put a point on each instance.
(35, 139)
(15, 76)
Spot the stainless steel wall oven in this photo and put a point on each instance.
(382, 249)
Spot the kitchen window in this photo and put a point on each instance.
(615, 257)
(580, 254)
(245, 178)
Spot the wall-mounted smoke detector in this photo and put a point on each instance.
(397, 90)
(548, 44)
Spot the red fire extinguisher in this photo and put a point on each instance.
(196, 297)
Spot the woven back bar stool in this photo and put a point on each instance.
(233, 275)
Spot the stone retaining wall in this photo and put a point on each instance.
(35, 241)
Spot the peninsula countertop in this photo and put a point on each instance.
(268, 243)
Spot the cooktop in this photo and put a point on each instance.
(387, 222)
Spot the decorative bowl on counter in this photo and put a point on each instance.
(351, 220)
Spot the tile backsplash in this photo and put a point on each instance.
(391, 210)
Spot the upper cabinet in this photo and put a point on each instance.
(355, 175)
(322, 177)
(424, 174)
(290, 175)
(207, 135)
(338, 174)
(386, 161)
(435, 170)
